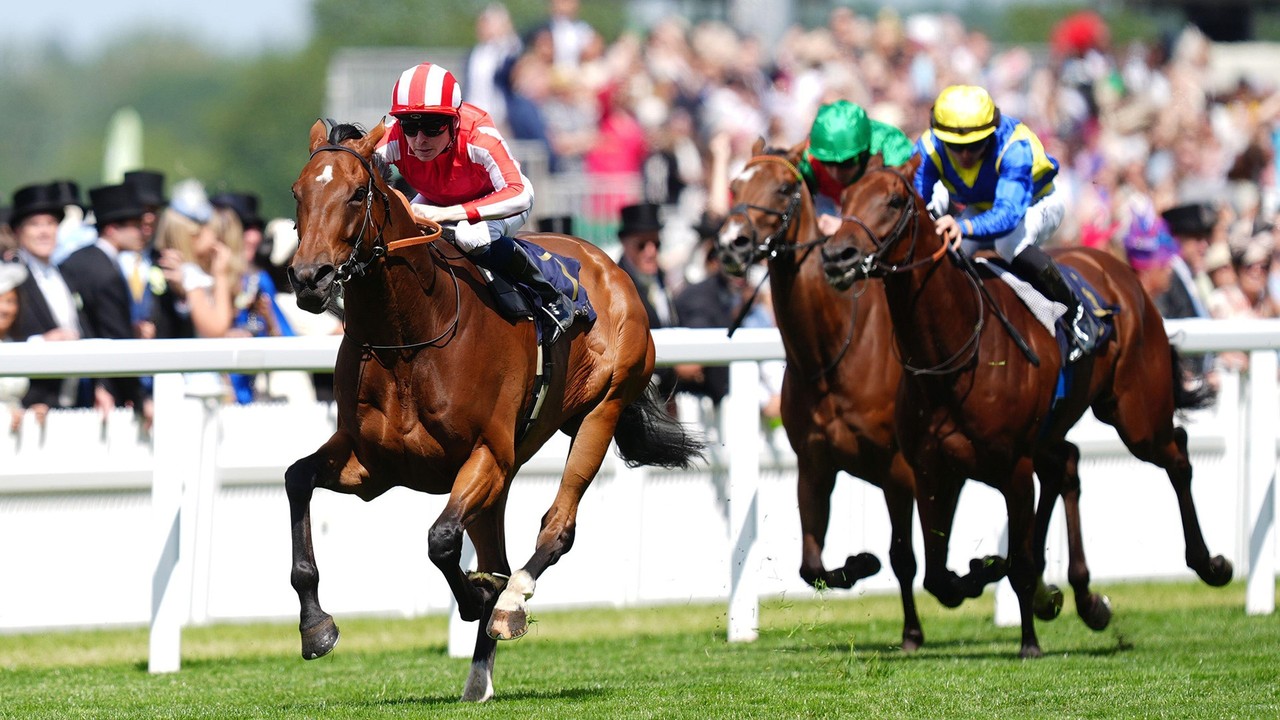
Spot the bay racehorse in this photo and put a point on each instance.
(972, 405)
(434, 387)
(841, 375)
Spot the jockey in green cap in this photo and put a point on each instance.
(841, 142)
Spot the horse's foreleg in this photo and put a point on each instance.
(481, 485)
(936, 498)
(586, 453)
(815, 481)
(319, 632)
(899, 500)
(1019, 497)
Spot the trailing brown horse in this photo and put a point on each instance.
(841, 374)
(971, 405)
(433, 388)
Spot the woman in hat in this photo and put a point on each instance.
(12, 389)
(997, 169)
(841, 142)
(453, 156)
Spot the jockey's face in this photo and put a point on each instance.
(847, 171)
(425, 145)
(968, 155)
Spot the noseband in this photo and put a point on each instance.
(874, 265)
(354, 266)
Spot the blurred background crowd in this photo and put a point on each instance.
(1168, 161)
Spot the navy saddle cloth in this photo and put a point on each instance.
(517, 300)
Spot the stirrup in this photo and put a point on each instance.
(560, 320)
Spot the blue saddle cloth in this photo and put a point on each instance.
(1093, 305)
(560, 271)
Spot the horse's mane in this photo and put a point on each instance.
(339, 132)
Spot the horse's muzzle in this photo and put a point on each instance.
(736, 255)
(312, 285)
(842, 267)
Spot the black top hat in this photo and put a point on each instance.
(115, 203)
(641, 218)
(245, 206)
(1191, 220)
(68, 192)
(36, 200)
(148, 185)
(562, 224)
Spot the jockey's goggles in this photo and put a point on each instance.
(973, 148)
(433, 126)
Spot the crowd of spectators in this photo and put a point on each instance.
(1162, 165)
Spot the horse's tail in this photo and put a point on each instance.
(1189, 394)
(648, 435)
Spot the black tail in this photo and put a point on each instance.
(1190, 391)
(647, 435)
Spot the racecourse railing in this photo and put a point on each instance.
(185, 474)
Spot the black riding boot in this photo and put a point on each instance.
(1036, 267)
(506, 256)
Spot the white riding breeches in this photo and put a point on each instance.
(474, 237)
(1040, 223)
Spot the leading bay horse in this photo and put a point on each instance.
(433, 387)
(841, 375)
(971, 404)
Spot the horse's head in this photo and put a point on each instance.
(884, 220)
(768, 196)
(340, 225)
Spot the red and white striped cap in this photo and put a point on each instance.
(426, 88)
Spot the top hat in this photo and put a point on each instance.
(641, 218)
(1191, 219)
(115, 203)
(562, 224)
(245, 206)
(148, 185)
(68, 192)
(36, 200)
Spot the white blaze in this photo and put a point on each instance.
(325, 175)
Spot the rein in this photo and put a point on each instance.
(354, 267)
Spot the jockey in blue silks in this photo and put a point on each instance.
(998, 171)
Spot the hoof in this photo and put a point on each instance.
(1097, 613)
(1048, 602)
(862, 565)
(508, 624)
(989, 569)
(1030, 652)
(911, 642)
(1218, 572)
(319, 639)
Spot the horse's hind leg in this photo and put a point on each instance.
(1093, 609)
(586, 453)
(1168, 450)
(319, 632)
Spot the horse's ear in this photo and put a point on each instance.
(319, 135)
(369, 142)
(913, 164)
(797, 150)
(758, 148)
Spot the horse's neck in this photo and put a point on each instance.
(812, 319)
(404, 298)
(935, 310)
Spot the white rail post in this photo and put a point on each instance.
(742, 442)
(173, 441)
(1260, 488)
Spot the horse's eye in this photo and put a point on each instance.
(897, 202)
(788, 189)
(359, 195)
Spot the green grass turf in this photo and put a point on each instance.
(1176, 650)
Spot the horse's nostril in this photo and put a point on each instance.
(741, 242)
(848, 254)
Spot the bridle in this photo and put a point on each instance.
(874, 265)
(355, 267)
(771, 247)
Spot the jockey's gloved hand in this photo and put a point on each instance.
(940, 202)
